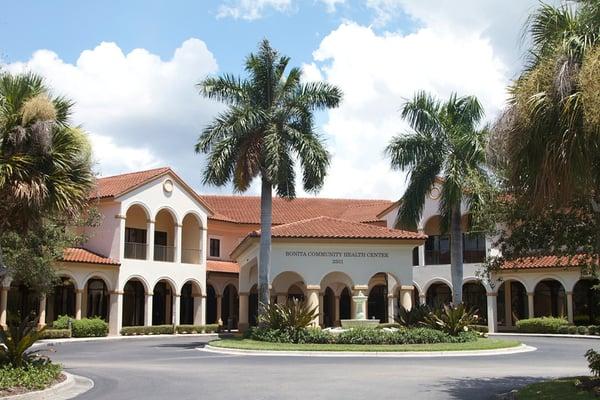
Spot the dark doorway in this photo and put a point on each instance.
(377, 304)
(133, 304)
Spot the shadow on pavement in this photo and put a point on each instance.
(483, 388)
(187, 345)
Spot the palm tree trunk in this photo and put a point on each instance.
(264, 262)
(456, 255)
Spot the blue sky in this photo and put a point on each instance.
(131, 67)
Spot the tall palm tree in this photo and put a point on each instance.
(550, 132)
(267, 126)
(444, 142)
(45, 163)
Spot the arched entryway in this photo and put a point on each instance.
(253, 306)
(22, 301)
(162, 303)
(586, 302)
(97, 299)
(512, 303)
(475, 297)
(329, 308)
(549, 299)
(211, 305)
(438, 295)
(230, 306)
(134, 303)
(295, 292)
(377, 307)
(164, 236)
(191, 239)
(136, 232)
(61, 301)
(186, 316)
(345, 304)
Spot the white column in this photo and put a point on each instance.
(321, 309)
(219, 309)
(422, 298)
(492, 312)
(78, 295)
(176, 309)
(355, 290)
(570, 307)
(116, 313)
(150, 240)
(148, 309)
(42, 311)
(122, 221)
(336, 317)
(507, 304)
(391, 308)
(421, 252)
(198, 310)
(313, 300)
(243, 317)
(530, 303)
(3, 304)
(406, 296)
(178, 241)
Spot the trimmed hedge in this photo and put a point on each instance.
(542, 325)
(363, 336)
(187, 329)
(56, 334)
(86, 327)
(147, 330)
(479, 328)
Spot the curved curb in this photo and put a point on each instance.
(72, 386)
(546, 335)
(385, 354)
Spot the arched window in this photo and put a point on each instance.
(97, 299)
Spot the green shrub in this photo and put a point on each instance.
(290, 319)
(32, 377)
(147, 330)
(17, 339)
(62, 322)
(56, 334)
(593, 359)
(572, 330)
(594, 330)
(416, 316)
(451, 319)
(541, 325)
(89, 327)
(186, 329)
(582, 330)
(364, 336)
(563, 330)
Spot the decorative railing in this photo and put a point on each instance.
(137, 251)
(164, 253)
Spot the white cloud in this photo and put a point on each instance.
(140, 111)
(332, 4)
(252, 9)
(376, 73)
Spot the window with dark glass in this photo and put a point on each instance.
(473, 247)
(437, 250)
(215, 248)
(135, 235)
(415, 256)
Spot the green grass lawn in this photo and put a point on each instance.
(248, 344)
(558, 389)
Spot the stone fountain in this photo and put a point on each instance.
(361, 321)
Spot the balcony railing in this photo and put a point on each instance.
(191, 256)
(137, 251)
(164, 253)
(433, 257)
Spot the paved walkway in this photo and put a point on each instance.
(172, 368)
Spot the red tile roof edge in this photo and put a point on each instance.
(85, 256)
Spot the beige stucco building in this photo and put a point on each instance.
(164, 254)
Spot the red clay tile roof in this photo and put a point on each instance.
(334, 228)
(544, 262)
(79, 255)
(114, 186)
(246, 209)
(222, 266)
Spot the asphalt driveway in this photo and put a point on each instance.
(173, 368)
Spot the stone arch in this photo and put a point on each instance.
(171, 211)
(141, 205)
(163, 296)
(434, 281)
(586, 301)
(166, 222)
(139, 278)
(190, 289)
(285, 280)
(438, 293)
(518, 279)
(336, 280)
(137, 217)
(512, 305)
(475, 297)
(171, 282)
(68, 274)
(549, 277)
(99, 275)
(97, 294)
(230, 305)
